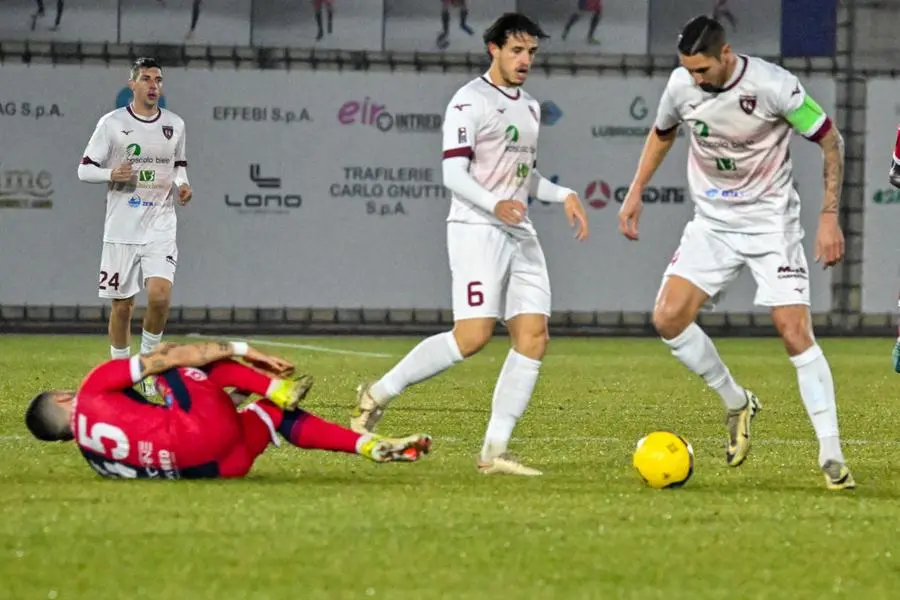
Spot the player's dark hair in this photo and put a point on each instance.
(144, 62)
(511, 24)
(702, 35)
(46, 420)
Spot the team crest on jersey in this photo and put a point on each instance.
(168, 131)
(748, 104)
(534, 114)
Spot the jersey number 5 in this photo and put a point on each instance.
(106, 280)
(93, 437)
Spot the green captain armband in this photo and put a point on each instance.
(807, 118)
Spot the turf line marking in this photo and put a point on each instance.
(708, 440)
(309, 347)
(607, 440)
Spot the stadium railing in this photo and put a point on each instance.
(845, 317)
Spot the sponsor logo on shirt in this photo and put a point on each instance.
(512, 137)
(713, 193)
(136, 201)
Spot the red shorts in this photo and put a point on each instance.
(212, 439)
(590, 5)
(459, 3)
(318, 4)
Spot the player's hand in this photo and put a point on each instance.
(271, 364)
(123, 173)
(576, 216)
(511, 212)
(829, 240)
(185, 193)
(630, 213)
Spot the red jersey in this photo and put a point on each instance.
(122, 434)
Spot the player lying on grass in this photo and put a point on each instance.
(198, 432)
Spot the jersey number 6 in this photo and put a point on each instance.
(475, 295)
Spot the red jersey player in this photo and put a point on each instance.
(198, 432)
(328, 5)
(595, 7)
(443, 37)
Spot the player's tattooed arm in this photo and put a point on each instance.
(171, 356)
(832, 144)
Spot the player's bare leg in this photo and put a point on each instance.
(59, 11)
(573, 19)
(317, 9)
(329, 12)
(512, 393)
(464, 18)
(119, 327)
(816, 389)
(37, 14)
(195, 16)
(676, 309)
(430, 357)
(442, 39)
(592, 28)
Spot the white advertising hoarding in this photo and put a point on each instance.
(324, 189)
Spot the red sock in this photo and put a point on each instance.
(306, 430)
(230, 373)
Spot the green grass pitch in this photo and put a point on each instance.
(309, 525)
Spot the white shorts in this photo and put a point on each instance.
(125, 267)
(711, 260)
(495, 274)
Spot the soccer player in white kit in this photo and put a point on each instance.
(138, 152)
(498, 269)
(741, 111)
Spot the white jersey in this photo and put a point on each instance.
(497, 129)
(739, 164)
(143, 209)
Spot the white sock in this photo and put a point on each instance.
(696, 351)
(432, 356)
(511, 397)
(817, 391)
(149, 341)
(119, 352)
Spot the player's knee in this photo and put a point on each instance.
(471, 337)
(123, 307)
(795, 333)
(157, 300)
(532, 344)
(670, 320)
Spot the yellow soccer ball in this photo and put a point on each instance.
(664, 459)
